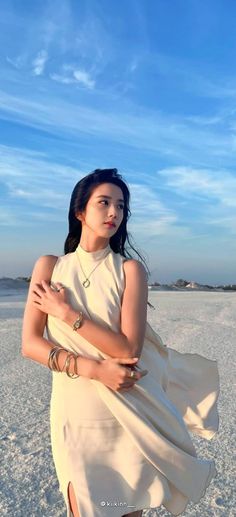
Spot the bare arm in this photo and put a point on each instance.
(34, 345)
(126, 343)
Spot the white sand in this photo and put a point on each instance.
(187, 321)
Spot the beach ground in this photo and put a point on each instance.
(195, 322)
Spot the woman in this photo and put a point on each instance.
(118, 430)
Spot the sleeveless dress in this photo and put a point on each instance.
(127, 451)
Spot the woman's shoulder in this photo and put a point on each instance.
(45, 263)
(52, 259)
(134, 265)
(133, 268)
(46, 259)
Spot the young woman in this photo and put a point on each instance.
(118, 430)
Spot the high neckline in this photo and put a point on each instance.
(92, 256)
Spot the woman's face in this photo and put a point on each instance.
(106, 203)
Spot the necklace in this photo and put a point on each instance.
(86, 282)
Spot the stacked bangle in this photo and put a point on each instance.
(54, 365)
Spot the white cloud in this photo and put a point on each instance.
(123, 122)
(144, 201)
(62, 79)
(150, 217)
(17, 62)
(209, 183)
(32, 179)
(73, 76)
(39, 62)
(84, 78)
(43, 196)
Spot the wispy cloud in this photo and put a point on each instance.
(148, 211)
(29, 177)
(62, 79)
(19, 164)
(40, 192)
(148, 130)
(17, 62)
(83, 78)
(74, 76)
(44, 197)
(210, 184)
(39, 62)
(209, 195)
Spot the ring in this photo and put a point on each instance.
(132, 374)
(56, 289)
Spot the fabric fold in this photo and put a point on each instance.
(160, 409)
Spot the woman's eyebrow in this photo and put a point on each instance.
(109, 197)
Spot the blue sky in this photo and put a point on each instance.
(148, 87)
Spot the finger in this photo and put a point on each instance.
(38, 288)
(45, 285)
(36, 303)
(37, 294)
(127, 360)
(38, 291)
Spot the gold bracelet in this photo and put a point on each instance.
(75, 375)
(53, 363)
(75, 367)
(71, 375)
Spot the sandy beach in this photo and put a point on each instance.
(194, 322)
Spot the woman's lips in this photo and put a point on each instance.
(110, 225)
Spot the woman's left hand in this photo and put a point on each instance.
(50, 299)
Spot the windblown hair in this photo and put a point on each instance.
(79, 199)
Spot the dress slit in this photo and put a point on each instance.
(69, 512)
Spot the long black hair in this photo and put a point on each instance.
(79, 199)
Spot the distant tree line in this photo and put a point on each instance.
(183, 283)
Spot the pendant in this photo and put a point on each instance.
(86, 283)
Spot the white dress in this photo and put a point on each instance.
(127, 451)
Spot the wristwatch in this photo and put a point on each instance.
(78, 322)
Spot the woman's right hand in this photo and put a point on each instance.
(115, 373)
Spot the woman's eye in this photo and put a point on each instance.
(105, 201)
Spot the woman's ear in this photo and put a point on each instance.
(79, 216)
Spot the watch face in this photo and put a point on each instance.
(77, 324)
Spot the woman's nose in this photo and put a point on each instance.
(113, 212)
